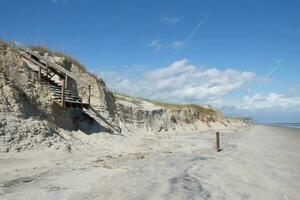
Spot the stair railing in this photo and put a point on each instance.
(63, 73)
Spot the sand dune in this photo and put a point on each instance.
(260, 163)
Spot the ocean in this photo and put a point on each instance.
(290, 125)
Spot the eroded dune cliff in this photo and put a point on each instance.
(29, 118)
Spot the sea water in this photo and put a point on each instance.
(290, 125)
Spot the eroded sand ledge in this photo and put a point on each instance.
(259, 163)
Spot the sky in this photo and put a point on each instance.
(240, 56)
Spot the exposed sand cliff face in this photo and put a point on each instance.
(29, 117)
(162, 117)
(25, 109)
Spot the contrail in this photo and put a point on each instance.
(271, 72)
(277, 64)
(191, 34)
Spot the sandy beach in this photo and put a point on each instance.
(259, 163)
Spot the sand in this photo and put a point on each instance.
(259, 163)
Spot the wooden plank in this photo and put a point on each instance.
(75, 102)
(31, 60)
(63, 93)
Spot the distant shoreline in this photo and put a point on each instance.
(283, 125)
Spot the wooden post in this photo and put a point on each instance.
(218, 141)
(63, 93)
(89, 100)
(66, 82)
(47, 72)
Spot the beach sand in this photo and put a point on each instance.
(260, 163)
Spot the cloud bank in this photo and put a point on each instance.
(271, 101)
(181, 82)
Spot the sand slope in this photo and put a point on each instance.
(263, 163)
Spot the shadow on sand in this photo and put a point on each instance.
(74, 119)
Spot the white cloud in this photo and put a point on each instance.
(176, 45)
(170, 20)
(271, 101)
(156, 45)
(294, 91)
(182, 82)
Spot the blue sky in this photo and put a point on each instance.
(223, 53)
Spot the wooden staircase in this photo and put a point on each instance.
(46, 70)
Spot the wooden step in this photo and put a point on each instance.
(69, 95)
(66, 93)
(69, 99)
(59, 91)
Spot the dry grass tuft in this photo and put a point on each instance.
(170, 106)
(122, 97)
(3, 44)
(43, 51)
(68, 61)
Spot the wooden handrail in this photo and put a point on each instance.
(32, 60)
(58, 68)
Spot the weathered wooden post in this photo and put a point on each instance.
(63, 92)
(89, 99)
(47, 71)
(66, 82)
(218, 141)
